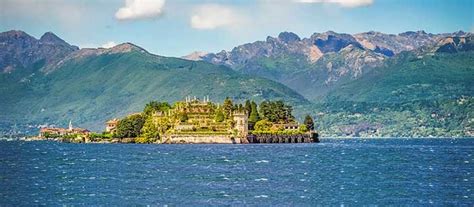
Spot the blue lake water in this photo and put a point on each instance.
(333, 172)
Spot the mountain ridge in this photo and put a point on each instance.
(335, 57)
(92, 85)
(352, 89)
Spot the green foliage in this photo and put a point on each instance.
(445, 118)
(92, 89)
(409, 77)
(219, 117)
(99, 136)
(130, 126)
(254, 116)
(263, 125)
(145, 140)
(50, 135)
(276, 111)
(248, 107)
(308, 121)
(239, 108)
(149, 131)
(183, 117)
(70, 136)
(228, 108)
(303, 128)
(155, 106)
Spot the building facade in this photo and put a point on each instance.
(111, 126)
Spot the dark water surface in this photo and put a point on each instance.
(334, 172)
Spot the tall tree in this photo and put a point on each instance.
(150, 129)
(309, 122)
(263, 125)
(276, 111)
(265, 110)
(254, 116)
(219, 117)
(228, 107)
(130, 126)
(154, 106)
(248, 107)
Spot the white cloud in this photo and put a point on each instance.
(109, 44)
(343, 3)
(212, 16)
(140, 9)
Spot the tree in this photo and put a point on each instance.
(308, 121)
(228, 107)
(149, 131)
(248, 107)
(219, 116)
(254, 116)
(240, 108)
(303, 128)
(263, 125)
(130, 126)
(154, 106)
(183, 117)
(276, 111)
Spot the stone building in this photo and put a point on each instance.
(241, 124)
(111, 125)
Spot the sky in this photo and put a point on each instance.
(179, 27)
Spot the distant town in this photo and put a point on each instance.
(196, 121)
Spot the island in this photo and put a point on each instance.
(194, 121)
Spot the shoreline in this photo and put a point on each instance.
(34, 139)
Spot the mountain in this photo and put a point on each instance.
(20, 51)
(412, 77)
(89, 86)
(413, 84)
(422, 93)
(455, 44)
(317, 65)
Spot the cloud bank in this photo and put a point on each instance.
(140, 9)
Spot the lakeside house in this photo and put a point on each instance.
(111, 126)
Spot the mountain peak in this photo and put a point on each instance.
(288, 37)
(16, 34)
(412, 33)
(50, 37)
(126, 47)
(197, 55)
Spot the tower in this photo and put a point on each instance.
(70, 125)
(241, 124)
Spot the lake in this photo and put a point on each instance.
(333, 172)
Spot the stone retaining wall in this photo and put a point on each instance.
(201, 139)
(273, 138)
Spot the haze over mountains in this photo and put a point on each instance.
(367, 84)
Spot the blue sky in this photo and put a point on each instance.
(179, 27)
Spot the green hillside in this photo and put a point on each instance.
(409, 77)
(411, 96)
(313, 80)
(91, 89)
